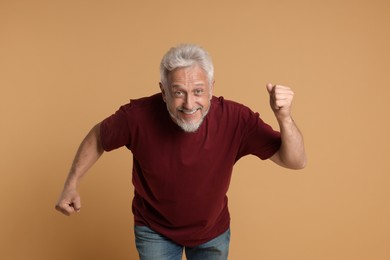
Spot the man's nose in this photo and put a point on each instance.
(189, 101)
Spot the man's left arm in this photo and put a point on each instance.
(292, 150)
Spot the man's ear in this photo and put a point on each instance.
(212, 87)
(162, 91)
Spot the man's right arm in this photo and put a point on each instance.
(88, 153)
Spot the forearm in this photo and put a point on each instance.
(87, 154)
(292, 151)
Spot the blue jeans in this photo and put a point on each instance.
(153, 246)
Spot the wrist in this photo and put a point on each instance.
(71, 183)
(284, 120)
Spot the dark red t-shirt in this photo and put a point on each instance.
(181, 179)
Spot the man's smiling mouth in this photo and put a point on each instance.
(188, 112)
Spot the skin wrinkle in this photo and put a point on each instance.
(187, 96)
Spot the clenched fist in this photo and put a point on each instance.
(69, 202)
(281, 98)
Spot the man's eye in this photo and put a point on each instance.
(198, 91)
(178, 93)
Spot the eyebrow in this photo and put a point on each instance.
(177, 86)
(197, 84)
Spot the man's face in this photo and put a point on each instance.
(187, 96)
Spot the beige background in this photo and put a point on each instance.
(65, 65)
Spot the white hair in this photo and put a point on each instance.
(183, 56)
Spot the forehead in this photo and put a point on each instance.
(187, 75)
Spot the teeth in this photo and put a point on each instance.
(189, 112)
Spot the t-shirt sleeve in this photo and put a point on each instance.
(114, 130)
(258, 138)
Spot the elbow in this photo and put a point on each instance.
(294, 164)
(299, 165)
(290, 162)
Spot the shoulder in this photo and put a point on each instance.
(229, 106)
(138, 110)
(225, 103)
(235, 113)
(153, 100)
(143, 104)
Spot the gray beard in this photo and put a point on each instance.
(188, 127)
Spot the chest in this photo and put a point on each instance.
(175, 154)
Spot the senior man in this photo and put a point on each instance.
(185, 142)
